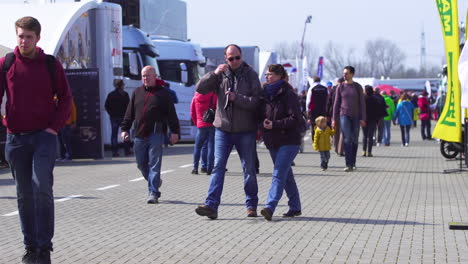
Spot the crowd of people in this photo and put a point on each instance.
(231, 109)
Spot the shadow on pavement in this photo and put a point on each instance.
(351, 221)
(55, 198)
(5, 182)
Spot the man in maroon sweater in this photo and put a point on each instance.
(350, 109)
(33, 119)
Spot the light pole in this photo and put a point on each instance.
(308, 20)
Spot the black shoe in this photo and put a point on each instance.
(194, 171)
(293, 163)
(257, 171)
(203, 170)
(208, 172)
(292, 213)
(267, 214)
(205, 210)
(43, 256)
(29, 256)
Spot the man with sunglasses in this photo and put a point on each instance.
(238, 89)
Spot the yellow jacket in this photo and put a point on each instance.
(72, 119)
(322, 138)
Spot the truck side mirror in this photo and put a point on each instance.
(133, 63)
(183, 72)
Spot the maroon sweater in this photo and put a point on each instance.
(349, 101)
(30, 105)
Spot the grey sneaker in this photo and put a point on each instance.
(348, 169)
(152, 199)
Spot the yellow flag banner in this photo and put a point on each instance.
(448, 126)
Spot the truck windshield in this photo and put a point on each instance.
(171, 71)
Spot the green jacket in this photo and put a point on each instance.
(390, 107)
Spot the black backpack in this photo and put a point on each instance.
(50, 61)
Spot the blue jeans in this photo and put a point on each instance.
(324, 158)
(205, 135)
(426, 129)
(386, 134)
(350, 128)
(204, 154)
(115, 124)
(245, 145)
(405, 134)
(368, 136)
(32, 160)
(65, 142)
(283, 178)
(148, 154)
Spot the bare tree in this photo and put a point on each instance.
(384, 57)
(334, 59)
(292, 50)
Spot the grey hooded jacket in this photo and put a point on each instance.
(239, 115)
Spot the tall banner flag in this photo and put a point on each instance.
(305, 74)
(448, 126)
(320, 67)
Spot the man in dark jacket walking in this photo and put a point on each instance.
(33, 118)
(152, 110)
(316, 102)
(238, 89)
(116, 104)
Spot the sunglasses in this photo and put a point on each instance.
(234, 58)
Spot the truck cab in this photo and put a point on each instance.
(138, 52)
(181, 64)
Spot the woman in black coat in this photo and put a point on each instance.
(282, 136)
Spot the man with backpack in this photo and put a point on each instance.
(316, 102)
(38, 105)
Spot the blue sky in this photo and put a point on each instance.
(267, 22)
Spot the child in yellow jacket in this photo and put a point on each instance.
(322, 140)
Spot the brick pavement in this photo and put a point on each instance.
(394, 209)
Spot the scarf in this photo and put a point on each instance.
(272, 89)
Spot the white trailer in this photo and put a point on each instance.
(181, 64)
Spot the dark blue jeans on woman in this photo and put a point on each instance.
(205, 135)
(283, 178)
(350, 128)
(32, 160)
(405, 134)
(368, 136)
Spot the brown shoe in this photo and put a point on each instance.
(251, 212)
(205, 210)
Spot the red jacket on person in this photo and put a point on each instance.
(30, 105)
(424, 108)
(201, 103)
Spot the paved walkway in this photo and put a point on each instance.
(394, 209)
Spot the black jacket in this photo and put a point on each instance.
(285, 113)
(116, 103)
(152, 110)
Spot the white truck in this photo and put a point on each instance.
(181, 64)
